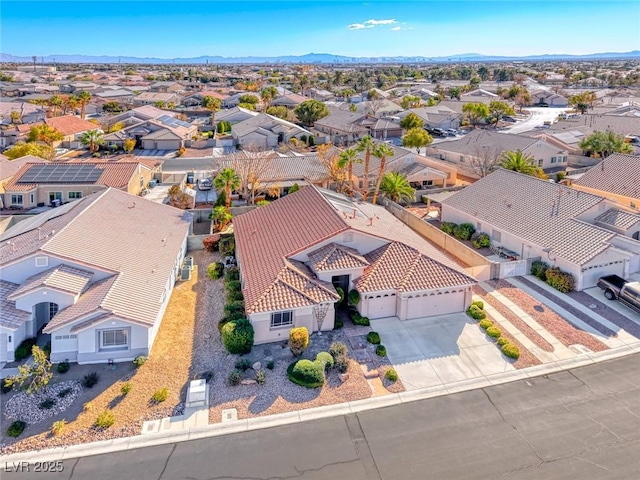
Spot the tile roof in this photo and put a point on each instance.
(336, 257)
(477, 139)
(308, 167)
(10, 316)
(64, 278)
(70, 125)
(618, 174)
(540, 212)
(618, 218)
(8, 168)
(589, 123)
(396, 266)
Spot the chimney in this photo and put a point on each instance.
(370, 221)
(354, 213)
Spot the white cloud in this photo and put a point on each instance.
(381, 22)
(359, 26)
(371, 23)
(395, 29)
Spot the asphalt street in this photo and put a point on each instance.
(577, 424)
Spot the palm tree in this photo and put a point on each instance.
(55, 102)
(92, 138)
(395, 187)
(346, 159)
(227, 180)
(267, 95)
(83, 97)
(521, 163)
(365, 145)
(381, 151)
(213, 104)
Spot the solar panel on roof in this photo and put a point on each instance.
(66, 173)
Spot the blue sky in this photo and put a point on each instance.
(171, 29)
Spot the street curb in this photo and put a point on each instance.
(299, 416)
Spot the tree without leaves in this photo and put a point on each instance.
(411, 121)
(395, 187)
(381, 151)
(485, 160)
(252, 166)
(310, 111)
(417, 138)
(328, 156)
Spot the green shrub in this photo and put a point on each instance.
(229, 318)
(307, 373)
(464, 231)
(338, 323)
(360, 320)
(126, 388)
(539, 270)
(235, 296)
(160, 395)
(237, 336)
(381, 351)
(298, 340)
(232, 274)
(391, 375)
(87, 407)
(511, 351)
(210, 243)
(353, 298)
(373, 337)
(341, 363)
(57, 427)
(234, 307)
(494, 332)
(233, 285)
(486, 323)
(16, 428)
(337, 348)
(327, 360)
(5, 387)
(480, 240)
(479, 304)
(235, 377)
(139, 361)
(24, 349)
(65, 392)
(474, 312)
(90, 380)
(562, 281)
(227, 245)
(243, 364)
(271, 364)
(448, 227)
(340, 292)
(48, 403)
(105, 419)
(502, 341)
(260, 377)
(63, 367)
(215, 270)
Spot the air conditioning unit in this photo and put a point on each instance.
(188, 262)
(185, 273)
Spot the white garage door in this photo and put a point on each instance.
(590, 277)
(381, 306)
(431, 305)
(3, 347)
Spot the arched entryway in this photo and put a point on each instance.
(44, 312)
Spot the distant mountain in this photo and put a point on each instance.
(311, 58)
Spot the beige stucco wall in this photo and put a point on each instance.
(302, 317)
(621, 199)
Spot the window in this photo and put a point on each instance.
(32, 198)
(540, 162)
(75, 195)
(553, 159)
(564, 159)
(427, 183)
(461, 158)
(16, 199)
(141, 181)
(113, 339)
(42, 261)
(55, 196)
(281, 319)
(53, 309)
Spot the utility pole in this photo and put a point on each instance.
(35, 59)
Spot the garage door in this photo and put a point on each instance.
(3, 347)
(590, 276)
(431, 305)
(381, 306)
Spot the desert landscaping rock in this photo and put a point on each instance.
(256, 366)
(27, 407)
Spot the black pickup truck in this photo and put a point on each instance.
(627, 293)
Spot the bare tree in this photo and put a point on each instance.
(485, 159)
(255, 167)
(374, 105)
(329, 156)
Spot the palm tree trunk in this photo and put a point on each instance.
(227, 199)
(383, 160)
(84, 110)
(350, 179)
(367, 158)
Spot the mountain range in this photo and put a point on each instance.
(311, 58)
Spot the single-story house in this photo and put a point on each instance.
(265, 131)
(548, 98)
(291, 267)
(560, 225)
(24, 112)
(291, 100)
(438, 116)
(151, 98)
(162, 133)
(8, 169)
(72, 128)
(95, 274)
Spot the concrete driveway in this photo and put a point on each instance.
(440, 350)
(539, 115)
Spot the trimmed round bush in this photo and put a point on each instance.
(210, 243)
(233, 285)
(539, 269)
(229, 318)
(480, 240)
(326, 358)
(391, 375)
(160, 395)
(479, 304)
(361, 321)
(234, 307)
(105, 419)
(502, 341)
(271, 364)
(381, 351)
(306, 373)
(63, 367)
(235, 296)
(237, 336)
(16, 428)
(474, 312)
(486, 323)
(511, 351)
(139, 361)
(464, 231)
(232, 274)
(448, 227)
(215, 270)
(374, 338)
(494, 332)
(298, 340)
(353, 298)
(562, 281)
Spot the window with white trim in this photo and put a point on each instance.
(540, 162)
(117, 338)
(281, 319)
(553, 159)
(42, 261)
(16, 199)
(32, 198)
(74, 195)
(55, 196)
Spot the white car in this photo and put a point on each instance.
(204, 184)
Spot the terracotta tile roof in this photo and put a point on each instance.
(8, 168)
(535, 210)
(618, 174)
(64, 278)
(618, 218)
(336, 257)
(10, 316)
(70, 125)
(396, 266)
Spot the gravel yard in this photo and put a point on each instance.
(566, 333)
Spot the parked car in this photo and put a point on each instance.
(204, 184)
(617, 288)
(451, 132)
(435, 132)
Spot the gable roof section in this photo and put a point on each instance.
(70, 125)
(8, 168)
(618, 174)
(477, 139)
(618, 218)
(336, 257)
(396, 266)
(540, 212)
(10, 316)
(64, 278)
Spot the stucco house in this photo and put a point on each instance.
(266, 131)
(548, 98)
(72, 128)
(96, 274)
(290, 265)
(583, 234)
(161, 133)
